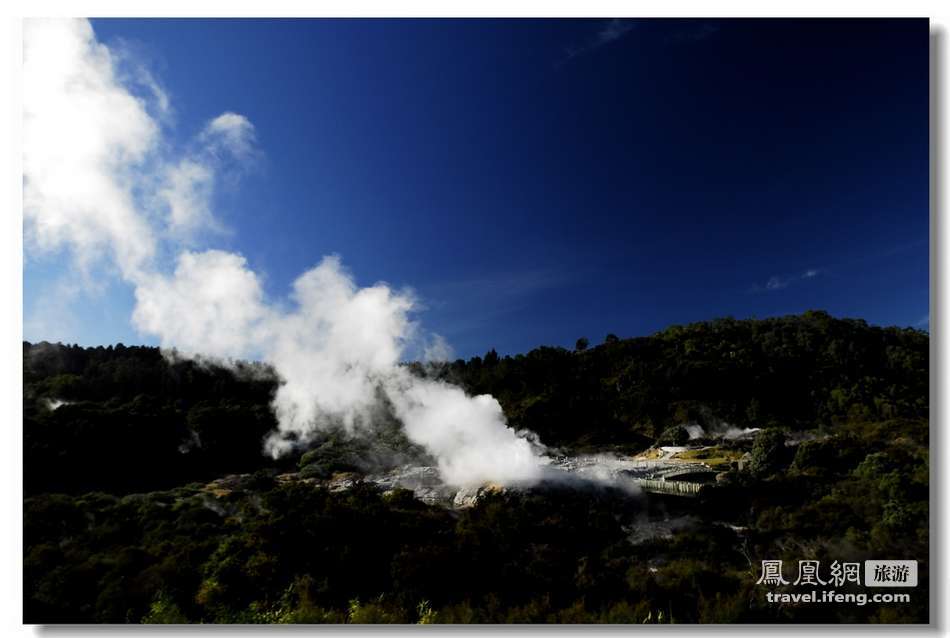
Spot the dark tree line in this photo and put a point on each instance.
(791, 372)
(127, 419)
(136, 420)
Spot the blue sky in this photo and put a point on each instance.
(539, 181)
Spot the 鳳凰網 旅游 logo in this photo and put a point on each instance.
(870, 573)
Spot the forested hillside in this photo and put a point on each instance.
(123, 522)
(131, 419)
(793, 372)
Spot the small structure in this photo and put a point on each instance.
(671, 488)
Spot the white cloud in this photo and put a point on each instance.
(97, 173)
(614, 30)
(230, 133)
(778, 282)
(212, 305)
(160, 98)
(187, 187)
(610, 31)
(84, 136)
(437, 350)
(186, 190)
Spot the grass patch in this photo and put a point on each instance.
(711, 456)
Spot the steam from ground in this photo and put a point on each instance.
(55, 404)
(466, 434)
(721, 430)
(100, 183)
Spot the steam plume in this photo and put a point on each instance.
(100, 184)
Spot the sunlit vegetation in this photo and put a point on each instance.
(715, 456)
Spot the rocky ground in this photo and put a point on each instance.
(425, 482)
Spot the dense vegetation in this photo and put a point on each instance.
(792, 372)
(120, 524)
(127, 419)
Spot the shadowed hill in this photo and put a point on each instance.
(128, 418)
(117, 529)
(797, 372)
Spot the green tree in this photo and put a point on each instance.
(768, 452)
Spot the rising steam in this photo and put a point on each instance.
(100, 182)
